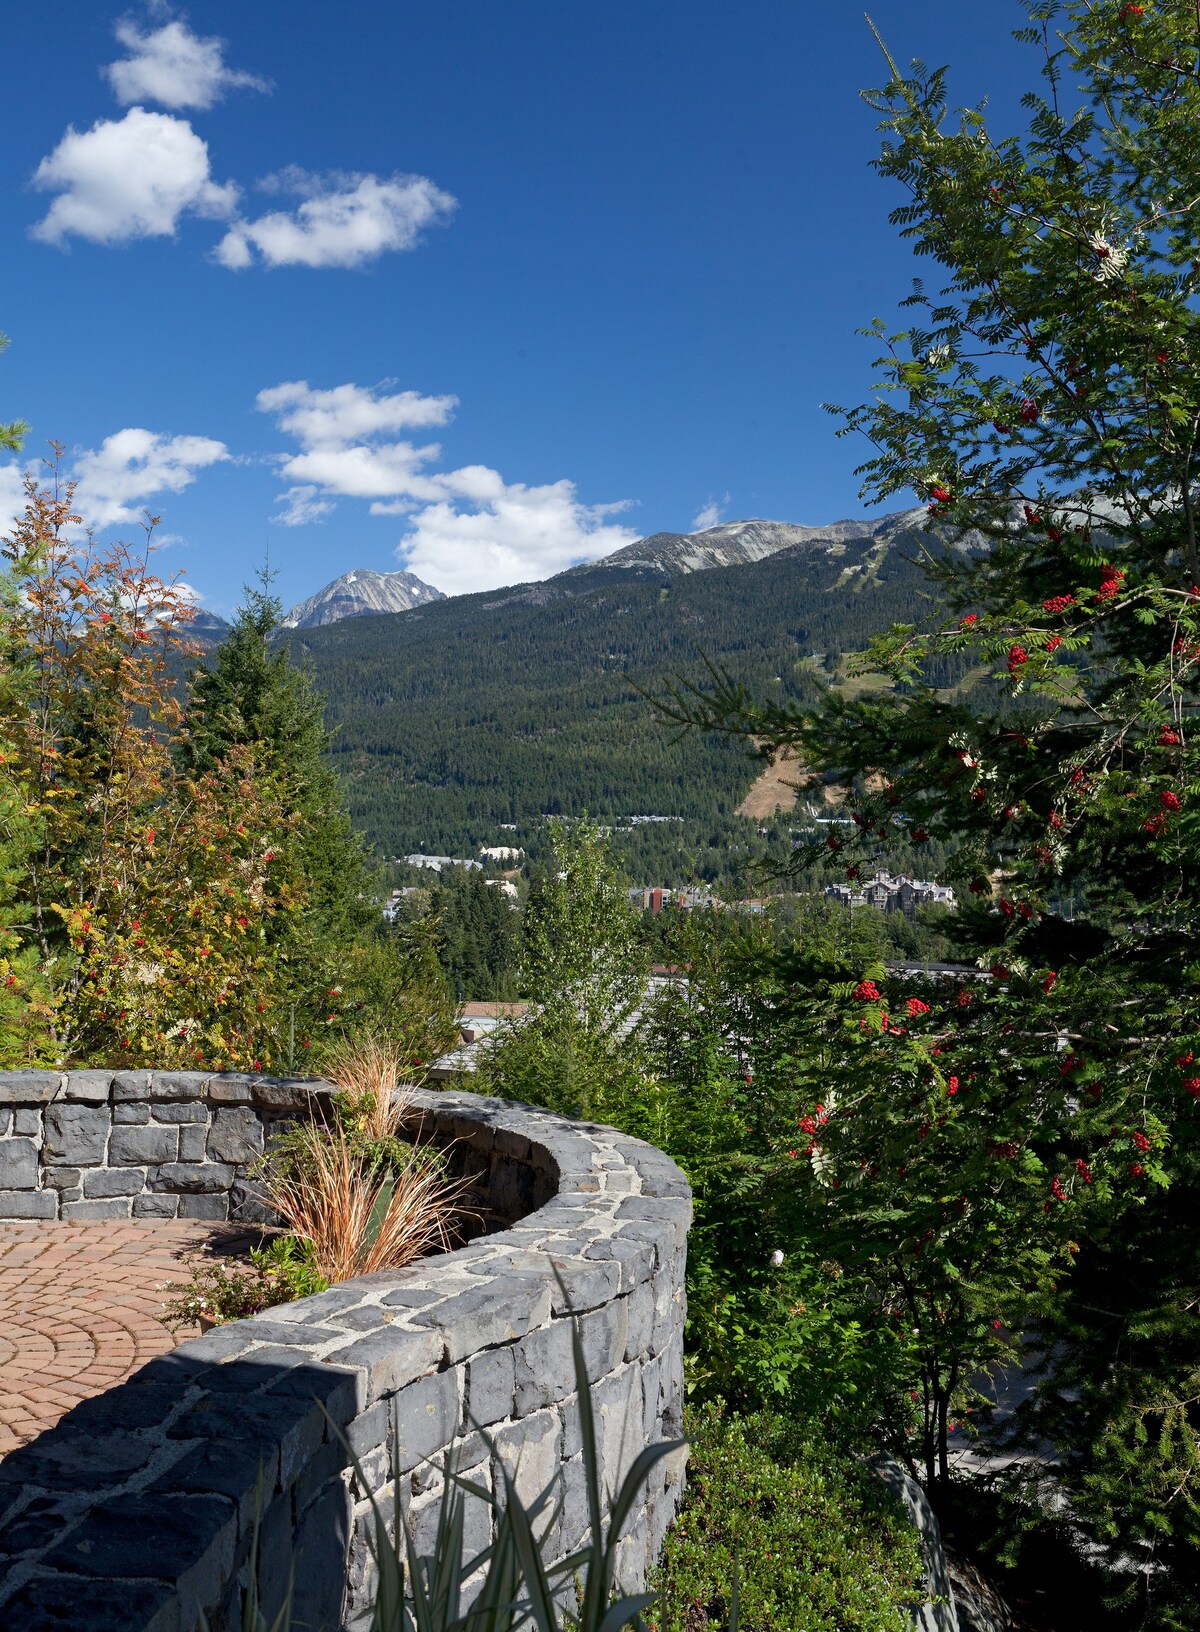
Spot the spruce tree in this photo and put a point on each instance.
(252, 695)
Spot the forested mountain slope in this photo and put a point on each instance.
(455, 717)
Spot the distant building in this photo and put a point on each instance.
(652, 900)
(888, 892)
(436, 863)
(502, 854)
(505, 886)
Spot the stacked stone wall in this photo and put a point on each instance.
(141, 1504)
(140, 1144)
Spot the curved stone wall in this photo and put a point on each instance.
(139, 1507)
(140, 1144)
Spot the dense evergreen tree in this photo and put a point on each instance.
(478, 929)
(251, 694)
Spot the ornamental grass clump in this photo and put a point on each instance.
(357, 1216)
(370, 1072)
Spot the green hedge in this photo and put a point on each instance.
(818, 1541)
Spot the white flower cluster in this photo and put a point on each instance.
(1112, 258)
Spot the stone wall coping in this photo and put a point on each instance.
(152, 1485)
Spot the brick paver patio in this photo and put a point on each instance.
(77, 1311)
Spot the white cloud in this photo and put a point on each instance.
(12, 495)
(128, 178)
(301, 506)
(132, 466)
(469, 529)
(519, 534)
(344, 220)
(332, 419)
(711, 515)
(173, 66)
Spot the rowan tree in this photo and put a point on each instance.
(1044, 403)
(143, 891)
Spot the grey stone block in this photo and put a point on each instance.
(639, 1309)
(636, 1259)
(187, 1540)
(323, 1306)
(427, 1415)
(209, 1206)
(192, 1139)
(6, 1117)
(49, 1602)
(76, 1135)
(484, 1317)
(235, 1136)
(410, 1297)
(390, 1358)
(27, 1121)
(544, 1368)
(132, 1114)
(575, 1520)
(28, 1204)
(659, 1210)
(579, 1284)
(248, 1203)
(155, 1206)
(63, 1178)
(29, 1087)
(179, 1111)
(371, 1429)
(286, 1093)
(128, 1085)
(322, 1536)
(223, 1468)
(130, 1147)
(617, 1403)
(117, 1207)
(113, 1181)
(657, 1235)
(490, 1387)
(178, 1084)
(18, 1164)
(229, 1089)
(91, 1086)
(530, 1452)
(191, 1177)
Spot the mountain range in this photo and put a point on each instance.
(471, 713)
(364, 592)
(731, 544)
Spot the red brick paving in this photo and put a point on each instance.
(77, 1311)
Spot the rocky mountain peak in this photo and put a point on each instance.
(358, 593)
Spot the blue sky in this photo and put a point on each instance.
(479, 289)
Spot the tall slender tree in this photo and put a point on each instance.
(252, 694)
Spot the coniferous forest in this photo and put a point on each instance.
(452, 719)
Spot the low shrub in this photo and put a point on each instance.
(815, 1539)
(221, 1289)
